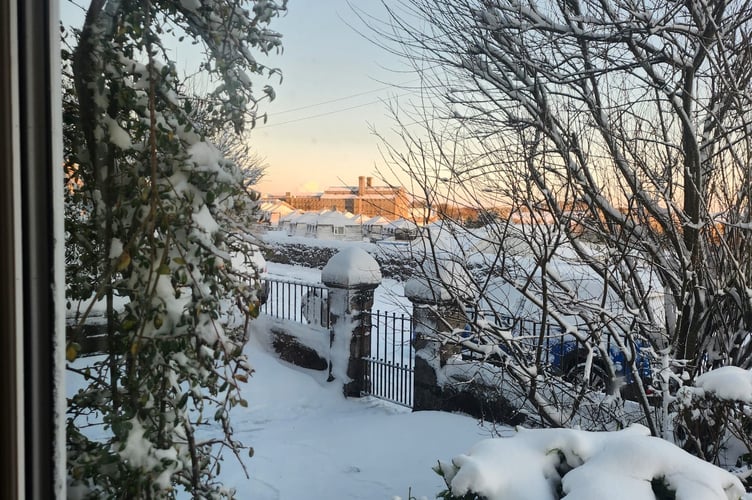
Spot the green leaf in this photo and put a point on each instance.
(128, 324)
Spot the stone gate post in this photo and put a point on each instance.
(439, 299)
(351, 275)
(434, 312)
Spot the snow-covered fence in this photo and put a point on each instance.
(294, 322)
(295, 301)
(325, 327)
(389, 368)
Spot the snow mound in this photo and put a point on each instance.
(442, 279)
(628, 464)
(728, 383)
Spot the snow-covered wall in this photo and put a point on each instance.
(302, 345)
(394, 258)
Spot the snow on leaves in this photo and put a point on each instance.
(156, 188)
(548, 464)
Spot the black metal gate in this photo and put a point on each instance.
(389, 370)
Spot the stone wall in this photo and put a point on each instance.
(394, 263)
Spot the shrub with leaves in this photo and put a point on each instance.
(714, 418)
(155, 223)
(553, 464)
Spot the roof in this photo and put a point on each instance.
(334, 218)
(377, 221)
(275, 206)
(307, 218)
(292, 216)
(403, 224)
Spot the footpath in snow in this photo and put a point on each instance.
(311, 443)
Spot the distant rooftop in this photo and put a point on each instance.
(365, 187)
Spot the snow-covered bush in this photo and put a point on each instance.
(606, 141)
(552, 464)
(156, 224)
(714, 418)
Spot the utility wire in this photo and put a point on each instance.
(319, 115)
(344, 98)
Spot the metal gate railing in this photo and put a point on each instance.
(303, 303)
(388, 372)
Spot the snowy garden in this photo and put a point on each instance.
(580, 464)
(595, 319)
(309, 441)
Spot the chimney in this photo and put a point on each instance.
(369, 180)
(361, 185)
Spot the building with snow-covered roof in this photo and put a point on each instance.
(365, 198)
(271, 211)
(304, 225)
(402, 229)
(333, 224)
(287, 221)
(373, 228)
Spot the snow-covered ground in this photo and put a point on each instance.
(311, 443)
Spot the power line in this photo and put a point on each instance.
(343, 98)
(319, 115)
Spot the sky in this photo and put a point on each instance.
(334, 87)
(335, 83)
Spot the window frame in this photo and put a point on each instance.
(32, 322)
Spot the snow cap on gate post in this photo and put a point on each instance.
(442, 279)
(437, 294)
(351, 275)
(351, 268)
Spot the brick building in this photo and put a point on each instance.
(365, 198)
